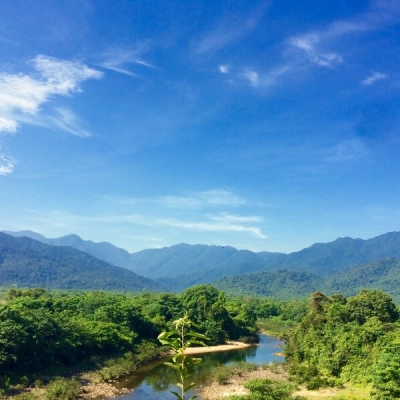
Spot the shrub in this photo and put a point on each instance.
(63, 389)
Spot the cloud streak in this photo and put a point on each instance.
(23, 95)
(121, 60)
(213, 198)
(229, 30)
(376, 76)
(219, 223)
(309, 44)
(6, 164)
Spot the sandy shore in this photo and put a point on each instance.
(235, 386)
(222, 347)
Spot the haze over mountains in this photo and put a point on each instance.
(322, 266)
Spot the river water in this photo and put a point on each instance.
(155, 380)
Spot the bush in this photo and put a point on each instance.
(222, 374)
(63, 389)
(267, 389)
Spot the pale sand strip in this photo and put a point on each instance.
(222, 347)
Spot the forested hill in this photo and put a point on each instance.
(104, 251)
(28, 263)
(285, 284)
(342, 253)
(183, 265)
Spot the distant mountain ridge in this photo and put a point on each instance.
(26, 262)
(285, 284)
(168, 262)
(184, 265)
(104, 251)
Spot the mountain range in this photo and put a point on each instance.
(335, 266)
(26, 262)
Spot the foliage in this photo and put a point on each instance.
(180, 340)
(217, 317)
(63, 389)
(267, 389)
(345, 339)
(386, 378)
(294, 284)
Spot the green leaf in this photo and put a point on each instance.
(177, 395)
(193, 384)
(173, 366)
(197, 335)
(163, 335)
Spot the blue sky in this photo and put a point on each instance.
(264, 125)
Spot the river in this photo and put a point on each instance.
(155, 380)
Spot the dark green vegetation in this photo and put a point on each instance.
(42, 333)
(28, 263)
(267, 389)
(381, 275)
(355, 339)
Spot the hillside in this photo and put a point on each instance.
(342, 253)
(183, 265)
(284, 284)
(190, 261)
(104, 251)
(25, 262)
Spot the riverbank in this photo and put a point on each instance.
(234, 385)
(94, 389)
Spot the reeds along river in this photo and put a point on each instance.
(154, 381)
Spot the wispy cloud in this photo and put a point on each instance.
(376, 76)
(381, 13)
(6, 164)
(253, 77)
(121, 60)
(256, 78)
(221, 223)
(213, 198)
(22, 95)
(346, 150)
(231, 29)
(310, 45)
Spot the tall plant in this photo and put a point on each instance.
(180, 339)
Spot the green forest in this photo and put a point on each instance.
(355, 339)
(41, 331)
(331, 341)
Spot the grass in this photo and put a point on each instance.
(348, 392)
(275, 327)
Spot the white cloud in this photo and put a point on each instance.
(22, 95)
(67, 121)
(215, 197)
(6, 164)
(7, 125)
(376, 76)
(224, 69)
(253, 77)
(309, 45)
(236, 218)
(217, 224)
(120, 59)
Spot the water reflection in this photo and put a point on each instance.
(153, 382)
